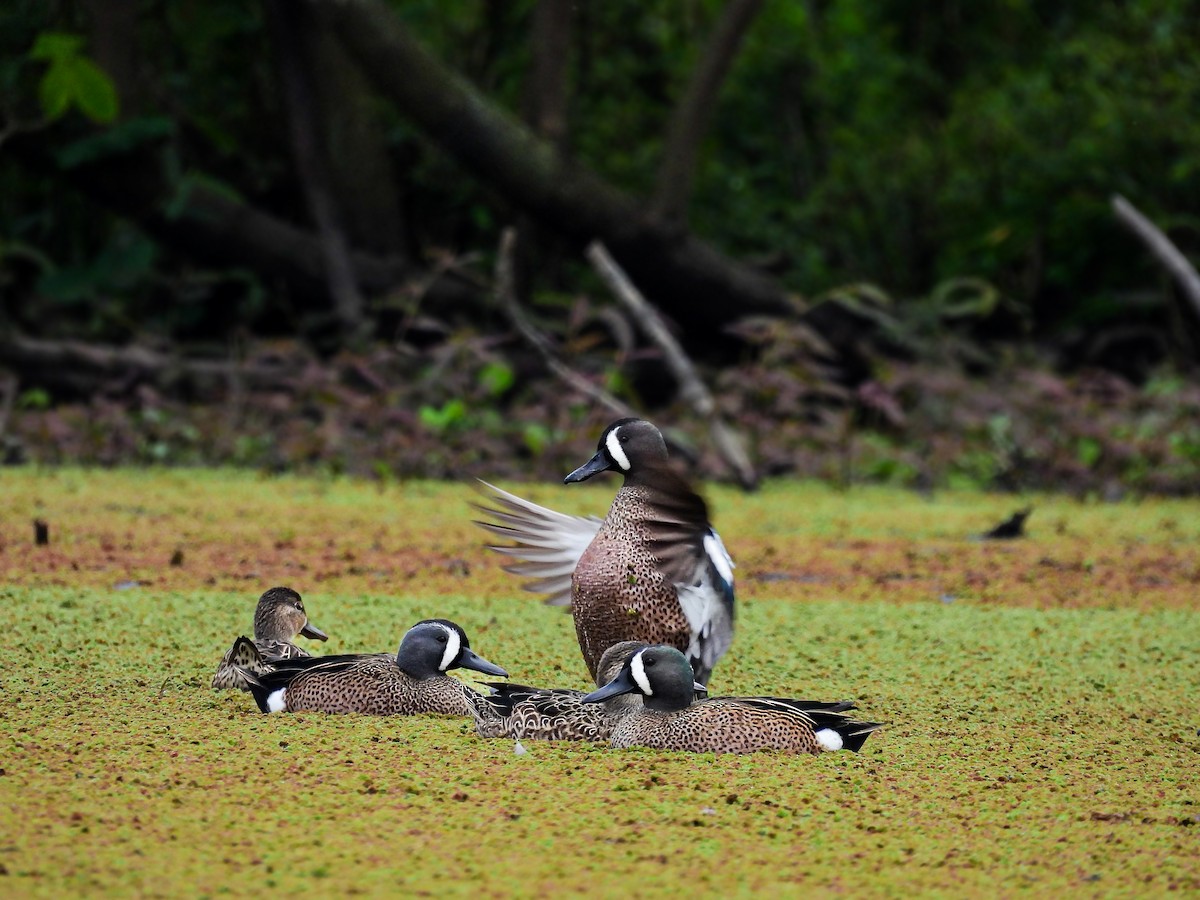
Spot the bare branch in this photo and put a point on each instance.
(691, 386)
(507, 296)
(1161, 247)
(690, 120)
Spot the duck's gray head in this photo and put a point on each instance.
(626, 446)
(661, 674)
(280, 616)
(434, 646)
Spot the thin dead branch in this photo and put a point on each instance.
(1161, 247)
(507, 296)
(695, 393)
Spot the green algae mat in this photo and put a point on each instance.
(1042, 695)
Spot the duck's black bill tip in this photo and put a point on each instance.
(593, 466)
(312, 631)
(472, 660)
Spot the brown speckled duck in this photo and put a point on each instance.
(654, 570)
(671, 719)
(555, 714)
(412, 682)
(278, 619)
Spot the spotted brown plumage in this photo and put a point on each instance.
(654, 570)
(671, 719)
(554, 714)
(410, 683)
(279, 618)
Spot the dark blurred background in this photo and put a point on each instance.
(268, 234)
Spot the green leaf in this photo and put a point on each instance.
(56, 91)
(118, 139)
(95, 93)
(496, 378)
(52, 46)
(1089, 451)
(35, 398)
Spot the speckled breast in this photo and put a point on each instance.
(618, 592)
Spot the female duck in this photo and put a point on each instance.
(278, 619)
(555, 714)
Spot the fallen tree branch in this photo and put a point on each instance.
(691, 386)
(76, 366)
(507, 296)
(1161, 247)
(529, 172)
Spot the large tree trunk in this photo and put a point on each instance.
(689, 279)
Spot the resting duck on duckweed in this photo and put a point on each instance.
(671, 718)
(278, 619)
(412, 682)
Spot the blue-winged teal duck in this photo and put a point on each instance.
(654, 570)
(413, 681)
(278, 619)
(672, 720)
(555, 714)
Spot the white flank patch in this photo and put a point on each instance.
(638, 668)
(829, 739)
(452, 647)
(277, 700)
(719, 556)
(616, 451)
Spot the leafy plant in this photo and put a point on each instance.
(72, 80)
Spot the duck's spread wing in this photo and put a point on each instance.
(546, 544)
(691, 553)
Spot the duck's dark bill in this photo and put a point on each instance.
(622, 684)
(312, 631)
(472, 660)
(593, 466)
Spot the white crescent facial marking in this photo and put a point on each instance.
(829, 739)
(277, 700)
(638, 668)
(718, 555)
(616, 451)
(453, 645)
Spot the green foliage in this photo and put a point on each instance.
(72, 80)
(496, 378)
(443, 418)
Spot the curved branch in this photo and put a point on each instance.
(690, 120)
(1161, 248)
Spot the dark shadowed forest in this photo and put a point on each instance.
(926, 244)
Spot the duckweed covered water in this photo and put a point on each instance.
(1041, 695)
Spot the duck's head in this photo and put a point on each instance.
(434, 646)
(280, 616)
(626, 446)
(661, 674)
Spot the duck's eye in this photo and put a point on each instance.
(623, 438)
(441, 639)
(650, 662)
